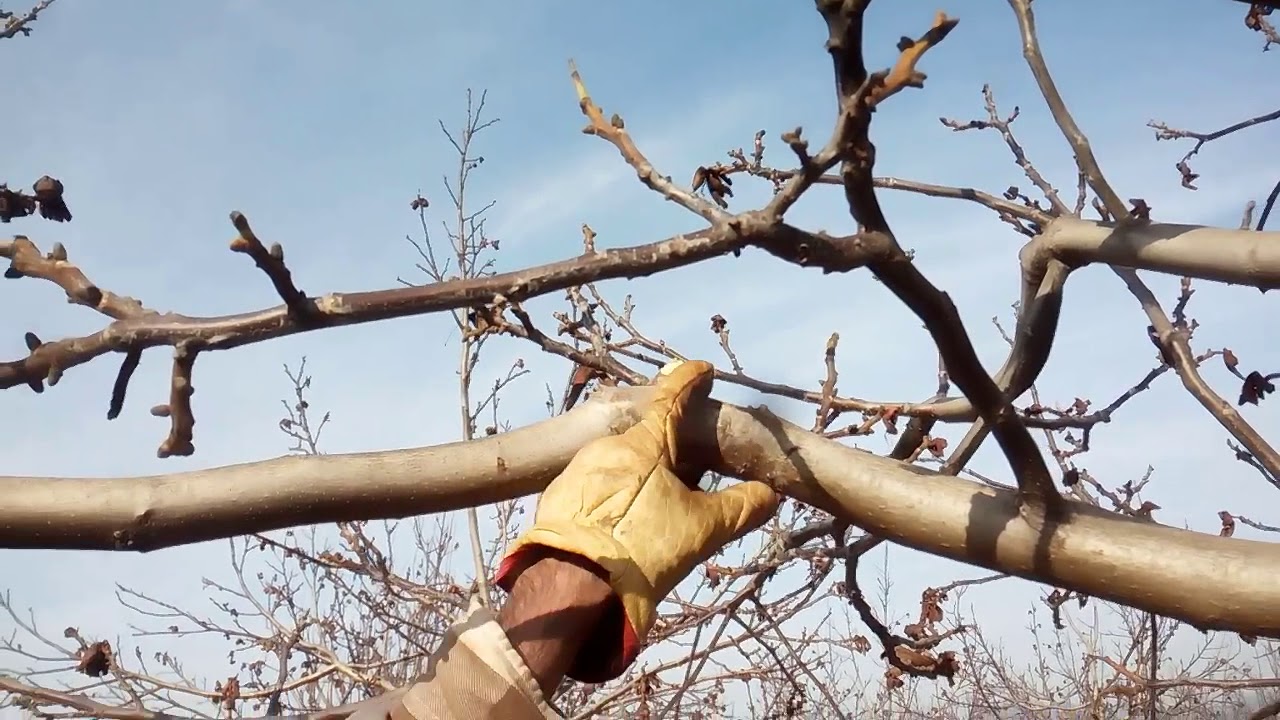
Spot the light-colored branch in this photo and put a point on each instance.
(373, 709)
(1075, 136)
(1173, 341)
(1239, 257)
(1207, 581)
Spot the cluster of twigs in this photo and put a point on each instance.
(606, 347)
(19, 23)
(1257, 19)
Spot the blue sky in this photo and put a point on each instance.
(319, 122)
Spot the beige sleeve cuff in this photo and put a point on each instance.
(477, 673)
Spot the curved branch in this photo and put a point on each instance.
(1215, 584)
(1172, 341)
(1239, 257)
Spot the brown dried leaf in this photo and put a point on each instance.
(48, 193)
(1256, 387)
(1228, 524)
(889, 416)
(95, 660)
(714, 575)
(893, 678)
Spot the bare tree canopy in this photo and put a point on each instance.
(1052, 526)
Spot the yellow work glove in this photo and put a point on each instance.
(621, 504)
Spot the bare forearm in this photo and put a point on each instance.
(555, 605)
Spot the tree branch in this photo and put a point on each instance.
(1216, 584)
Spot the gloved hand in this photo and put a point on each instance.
(621, 504)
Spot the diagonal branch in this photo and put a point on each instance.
(858, 94)
(614, 131)
(1170, 338)
(15, 24)
(1066, 123)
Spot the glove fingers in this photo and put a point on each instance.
(736, 511)
(678, 384)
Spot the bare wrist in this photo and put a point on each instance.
(555, 604)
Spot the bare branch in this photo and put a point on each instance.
(1164, 132)
(1218, 583)
(324, 624)
(15, 24)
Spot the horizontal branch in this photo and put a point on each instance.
(1211, 582)
(376, 708)
(1237, 257)
(1233, 256)
(136, 328)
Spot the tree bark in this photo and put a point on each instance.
(1210, 582)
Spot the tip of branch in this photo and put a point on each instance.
(578, 86)
(903, 73)
(246, 239)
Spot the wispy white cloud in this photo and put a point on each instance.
(587, 184)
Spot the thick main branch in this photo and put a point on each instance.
(1208, 581)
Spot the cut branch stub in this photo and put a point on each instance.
(26, 260)
(181, 420)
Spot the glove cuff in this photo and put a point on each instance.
(611, 648)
